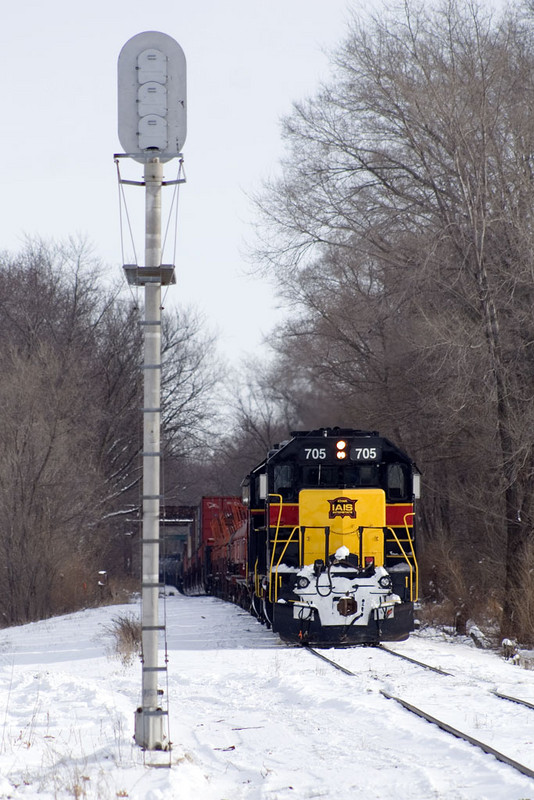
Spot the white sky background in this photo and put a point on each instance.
(247, 62)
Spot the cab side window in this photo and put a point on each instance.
(283, 481)
(397, 484)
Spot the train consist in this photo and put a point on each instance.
(321, 546)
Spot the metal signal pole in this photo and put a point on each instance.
(149, 727)
(152, 109)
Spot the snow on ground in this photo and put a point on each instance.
(249, 717)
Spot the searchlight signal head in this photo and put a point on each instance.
(152, 97)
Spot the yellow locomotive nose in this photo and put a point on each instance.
(333, 518)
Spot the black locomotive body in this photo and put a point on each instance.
(331, 556)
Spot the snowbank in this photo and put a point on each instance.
(249, 717)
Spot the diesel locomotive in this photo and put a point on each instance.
(322, 548)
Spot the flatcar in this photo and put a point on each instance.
(331, 542)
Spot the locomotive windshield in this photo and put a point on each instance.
(343, 476)
(289, 478)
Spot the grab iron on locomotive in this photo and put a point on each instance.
(321, 546)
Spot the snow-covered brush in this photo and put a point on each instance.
(125, 630)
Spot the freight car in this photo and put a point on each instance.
(325, 553)
(215, 561)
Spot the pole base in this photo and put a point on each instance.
(149, 733)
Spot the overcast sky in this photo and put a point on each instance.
(247, 62)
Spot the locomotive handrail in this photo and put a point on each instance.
(296, 528)
(410, 539)
(398, 542)
(280, 503)
(275, 542)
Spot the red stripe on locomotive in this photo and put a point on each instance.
(396, 515)
(399, 515)
(290, 515)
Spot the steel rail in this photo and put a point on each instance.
(514, 699)
(444, 726)
(461, 735)
(414, 661)
(329, 661)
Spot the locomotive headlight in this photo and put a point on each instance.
(385, 582)
(341, 449)
(302, 583)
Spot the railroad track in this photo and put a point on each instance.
(440, 671)
(444, 726)
(414, 661)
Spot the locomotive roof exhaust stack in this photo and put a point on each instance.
(152, 130)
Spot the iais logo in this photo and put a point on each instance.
(342, 507)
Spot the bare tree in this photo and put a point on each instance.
(70, 414)
(402, 230)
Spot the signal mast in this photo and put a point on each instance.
(152, 131)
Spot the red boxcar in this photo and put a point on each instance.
(217, 553)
